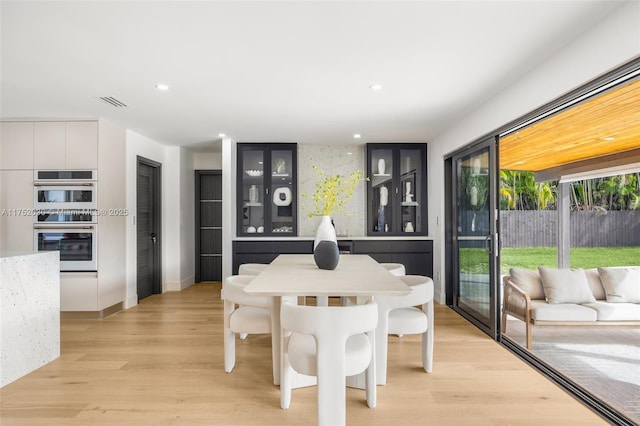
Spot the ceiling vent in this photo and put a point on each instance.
(113, 101)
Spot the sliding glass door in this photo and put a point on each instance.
(474, 242)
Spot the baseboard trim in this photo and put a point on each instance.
(96, 315)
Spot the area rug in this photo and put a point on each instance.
(603, 360)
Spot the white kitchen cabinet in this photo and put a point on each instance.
(82, 145)
(49, 145)
(16, 210)
(79, 291)
(16, 145)
(66, 145)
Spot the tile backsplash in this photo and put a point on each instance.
(332, 160)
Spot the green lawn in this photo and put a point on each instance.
(474, 260)
(532, 257)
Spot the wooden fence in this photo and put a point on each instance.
(538, 228)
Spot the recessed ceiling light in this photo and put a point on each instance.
(221, 135)
(357, 136)
(609, 138)
(162, 87)
(375, 86)
(349, 153)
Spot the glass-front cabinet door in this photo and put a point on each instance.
(397, 189)
(266, 197)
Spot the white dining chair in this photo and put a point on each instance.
(396, 269)
(251, 268)
(330, 342)
(399, 315)
(247, 314)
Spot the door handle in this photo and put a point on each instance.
(487, 244)
(154, 238)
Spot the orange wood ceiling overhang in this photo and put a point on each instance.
(579, 133)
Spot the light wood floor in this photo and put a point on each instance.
(161, 363)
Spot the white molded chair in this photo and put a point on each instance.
(396, 269)
(399, 315)
(245, 313)
(330, 343)
(251, 268)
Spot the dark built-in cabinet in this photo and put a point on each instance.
(416, 256)
(266, 189)
(266, 251)
(396, 189)
(208, 225)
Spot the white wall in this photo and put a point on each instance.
(187, 219)
(229, 149)
(171, 219)
(177, 213)
(207, 161)
(606, 46)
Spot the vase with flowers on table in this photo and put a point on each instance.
(332, 192)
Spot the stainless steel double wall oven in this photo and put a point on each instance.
(65, 216)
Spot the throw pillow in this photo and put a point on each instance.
(621, 284)
(529, 281)
(565, 285)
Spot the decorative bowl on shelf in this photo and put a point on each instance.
(253, 172)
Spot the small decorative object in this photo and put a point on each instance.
(381, 166)
(326, 255)
(325, 232)
(282, 196)
(384, 200)
(384, 196)
(253, 172)
(281, 167)
(251, 230)
(325, 245)
(253, 194)
(408, 197)
(381, 224)
(408, 227)
(260, 229)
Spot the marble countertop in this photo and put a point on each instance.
(8, 254)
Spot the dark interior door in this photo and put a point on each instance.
(208, 225)
(148, 228)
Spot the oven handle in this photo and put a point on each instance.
(62, 184)
(65, 227)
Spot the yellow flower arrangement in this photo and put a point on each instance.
(332, 191)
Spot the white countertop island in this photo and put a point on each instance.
(29, 312)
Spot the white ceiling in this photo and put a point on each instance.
(276, 71)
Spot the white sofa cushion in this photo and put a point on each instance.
(565, 285)
(595, 283)
(529, 281)
(621, 284)
(543, 311)
(616, 311)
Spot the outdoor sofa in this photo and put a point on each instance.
(554, 296)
